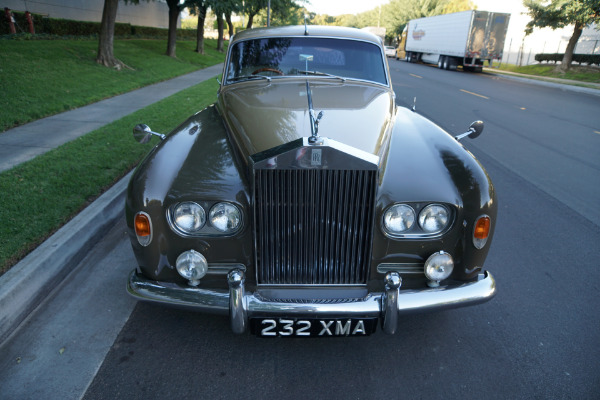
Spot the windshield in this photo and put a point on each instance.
(277, 57)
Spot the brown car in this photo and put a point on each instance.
(305, 202)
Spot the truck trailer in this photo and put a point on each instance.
(466, 39)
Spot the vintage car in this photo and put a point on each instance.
(304, 202)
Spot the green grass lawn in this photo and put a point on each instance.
(45, 77)
(576, 73)
(39, 196)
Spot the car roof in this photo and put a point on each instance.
(309, 30)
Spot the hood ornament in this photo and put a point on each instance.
(314, 121)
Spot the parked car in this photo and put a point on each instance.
(390, 51)
(304, 202)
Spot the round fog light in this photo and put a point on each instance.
(438, 267)
(192, 266)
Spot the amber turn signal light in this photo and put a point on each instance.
(143, 228)
(481, 231)
(142, 225)
(482, 228)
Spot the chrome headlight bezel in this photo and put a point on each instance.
(416, 231)
(207, 229)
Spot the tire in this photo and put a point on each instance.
(446, 64)
(441, 62)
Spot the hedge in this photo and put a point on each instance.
(579, 58)
(49, 27)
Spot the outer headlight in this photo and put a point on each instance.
(188, 217)
(398, 218)
(434, 218)
(225, 217)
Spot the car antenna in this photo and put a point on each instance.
(305, 25)
(314, 122)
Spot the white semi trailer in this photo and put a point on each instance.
(466, 39)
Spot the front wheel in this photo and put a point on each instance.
(441, 62)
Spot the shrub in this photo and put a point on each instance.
(579, 58)
(51, 28)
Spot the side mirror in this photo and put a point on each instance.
(474, 131)
(143, 134)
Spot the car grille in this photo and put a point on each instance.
(313, 226)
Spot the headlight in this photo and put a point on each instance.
(398, 218)
(225, 217)
(188, 217)
(192, 266)
(438, 267)
(434, 218)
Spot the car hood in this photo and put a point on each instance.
(263, 115)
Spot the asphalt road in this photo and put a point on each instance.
(537, 339)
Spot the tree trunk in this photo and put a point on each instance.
(250, 20)
(173, 16)
(568, 57)
(229, 24)
(220, 28)
(107, 32)
(200, 30)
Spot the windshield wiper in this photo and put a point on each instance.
(246, 77)
(318, 73)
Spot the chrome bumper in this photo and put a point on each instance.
(242, 306)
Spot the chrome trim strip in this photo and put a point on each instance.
(224, 268)
(218, 301)
(401, 268)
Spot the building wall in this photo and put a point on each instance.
(146, 13)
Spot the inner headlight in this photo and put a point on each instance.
(225, 217)
(188, 217)
(434, 218)
(398, 218)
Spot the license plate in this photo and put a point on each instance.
(273, 327)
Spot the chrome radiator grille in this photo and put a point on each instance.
(313, 226)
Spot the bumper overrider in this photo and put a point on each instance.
(242, 306)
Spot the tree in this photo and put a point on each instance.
(174, 10)
(105, 54)
(199, 8)
(458, 6)
(559, 14)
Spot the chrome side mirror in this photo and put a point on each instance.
(143, 134)
(474, 131)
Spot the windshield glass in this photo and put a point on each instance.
(276, 57)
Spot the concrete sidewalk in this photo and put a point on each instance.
(28, 141)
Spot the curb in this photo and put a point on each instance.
(29, 282)
(545, 82)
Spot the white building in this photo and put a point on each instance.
(146, 13)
